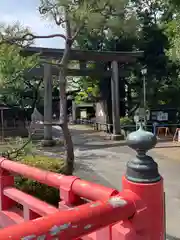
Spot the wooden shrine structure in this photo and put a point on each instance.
(83, 57)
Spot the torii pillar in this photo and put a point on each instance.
(48, 137)
(115, 102)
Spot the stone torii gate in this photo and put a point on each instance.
(83, 57)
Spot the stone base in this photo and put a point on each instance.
(116, 137)
(48, 143)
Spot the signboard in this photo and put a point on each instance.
(162, 116)
(83, 114)
(166, 115)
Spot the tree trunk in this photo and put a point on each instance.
(63, 99)
(69, 164)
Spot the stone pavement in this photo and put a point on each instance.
(104, 162)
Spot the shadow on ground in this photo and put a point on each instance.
(90, 140)
(88, 146)
(87, 173)
(169, 237)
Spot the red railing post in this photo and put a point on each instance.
(143, 179)
(6, 180)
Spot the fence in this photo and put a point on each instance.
(87, 211)
(129, 128)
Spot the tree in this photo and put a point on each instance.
(16, 89)
(123, 39)
(103, 17)
(88, 90)
(75, 16)
(154, 17)
(15, 34)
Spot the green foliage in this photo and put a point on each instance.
(14, 33)
(124, 121)
(92, 16)
(162, 75)
(17, 147)
(89, 90)
(41, 191)
(13, 83)
(155, 34)
(15, 88)
(24, 151)
(173, 32)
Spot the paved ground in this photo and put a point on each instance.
(104, 161)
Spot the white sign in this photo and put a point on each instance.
(162, 116)
(100, 113)
(83, 114)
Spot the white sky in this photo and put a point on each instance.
(26, 12)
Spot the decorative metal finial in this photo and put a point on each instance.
(142, 168)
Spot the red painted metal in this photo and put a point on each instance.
(92, 191)
(74, 223)
(5, 181)
(129, 215)
(70, 183)
(32, 203)
(11, 217)
(149, 217)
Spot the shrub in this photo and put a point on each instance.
(41, 191)
(124, 121)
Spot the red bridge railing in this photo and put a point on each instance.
(87, 211)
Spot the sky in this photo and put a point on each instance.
(26, 12)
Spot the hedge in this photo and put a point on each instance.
(34, 188)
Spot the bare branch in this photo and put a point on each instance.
(30, 37)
